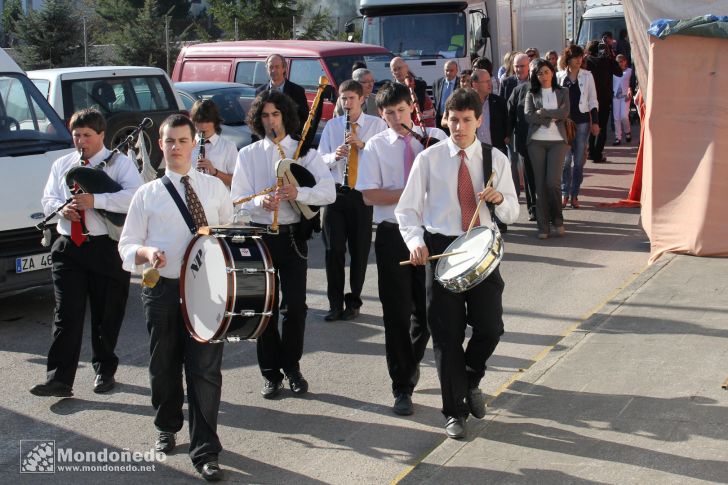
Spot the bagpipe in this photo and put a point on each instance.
(94, 180)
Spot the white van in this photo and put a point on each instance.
(32, 136)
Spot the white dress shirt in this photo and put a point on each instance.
(256, 170)
(333, 137)
(430, 198)
(155, 220)
(220, 151)
(381, 166)
(56, 192)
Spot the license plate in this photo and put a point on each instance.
(25, 264)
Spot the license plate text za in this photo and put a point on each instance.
(32, 263)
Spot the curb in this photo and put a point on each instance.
(423, 469)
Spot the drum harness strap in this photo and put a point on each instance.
(180, 205)
(487, 168)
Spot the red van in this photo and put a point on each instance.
(244, 62)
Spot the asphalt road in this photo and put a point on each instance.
(342, 431)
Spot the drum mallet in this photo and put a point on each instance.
(150, 276)
(436, 256)
(480, 203)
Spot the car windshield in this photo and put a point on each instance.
(25, 115)
(340, 66)
(593, 29)
(233, 103)
(418, 36)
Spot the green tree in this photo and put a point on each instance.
(141, 41)
(12, 12)
(257, 19)
(318, 27)
(50, 37)
(121, 12)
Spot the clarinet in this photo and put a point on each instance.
(347, 130)
(201, 155)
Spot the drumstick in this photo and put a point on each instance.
(432, 258)
(150, 276)
(480, 203)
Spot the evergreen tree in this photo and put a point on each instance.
(257, 19)
(50, 37)
(12, 12)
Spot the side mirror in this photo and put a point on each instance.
(484, 33)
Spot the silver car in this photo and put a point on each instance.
(233, 101)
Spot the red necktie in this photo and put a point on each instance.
(466, 194)
(77, 235)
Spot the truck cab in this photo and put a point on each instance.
(428, 33)
(598, 20)
(32, 137)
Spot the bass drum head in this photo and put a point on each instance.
(205, 288)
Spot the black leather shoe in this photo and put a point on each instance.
(532, 214)
(476, 402)
(333, 315)
(502, 228)
(350, 313)
(165, 442)
(299, 385)
(52, 388)
(271, 389)
(403, 405)
(455, 427)
(210, 471)
(103, 383)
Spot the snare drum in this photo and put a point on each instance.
(482, 251)
(227, 285)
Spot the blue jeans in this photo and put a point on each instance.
(571, 181)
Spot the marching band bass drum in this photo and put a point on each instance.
(227, 285)
(479, 254)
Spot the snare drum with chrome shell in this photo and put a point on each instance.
(482, 251)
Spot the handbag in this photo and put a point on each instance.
(570, 130)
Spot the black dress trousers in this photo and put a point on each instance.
(402, 293)
(447, 314)
(91, 271)
(348, 221)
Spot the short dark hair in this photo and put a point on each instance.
(483, 63)
(358, 65)
(175, 121)
(463, 99)
(536, 66)
(572, 52)
(88, 118)
(391, 94)
(351, 85)
(205, 111)
(282, 102)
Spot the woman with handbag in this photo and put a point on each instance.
(547, 106)
(583, 101)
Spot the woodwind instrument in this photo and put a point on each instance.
(323, 82)
(201, 154)
(347, 130)
(425, 140)
(419, 117)
(279, 184)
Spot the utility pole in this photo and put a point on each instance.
(166, 39)
(85, 43)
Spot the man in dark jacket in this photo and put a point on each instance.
(494, 129)
(277, 71)
(517, 120)
(603, 67)
(400, 71)
(443, 88)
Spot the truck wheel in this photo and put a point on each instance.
(119, 128)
